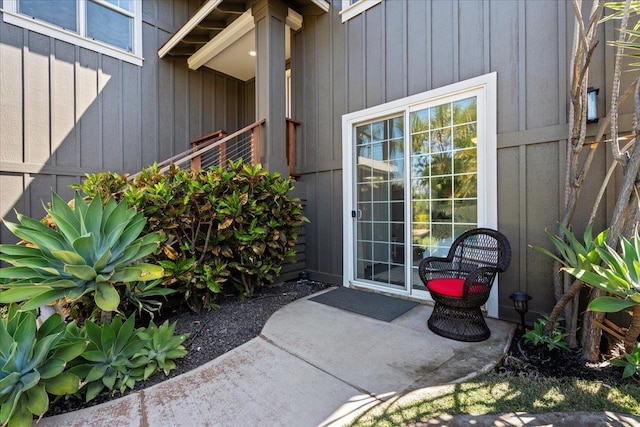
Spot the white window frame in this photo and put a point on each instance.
(10, 15)
(485, 89)
(350, 10)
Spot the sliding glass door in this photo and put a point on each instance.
(380, 231)
(418, 173)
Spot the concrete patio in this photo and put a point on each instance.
(313, 365)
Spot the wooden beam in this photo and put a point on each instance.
(237, 9)
(182, 51)
(196, 39)
(212, 24)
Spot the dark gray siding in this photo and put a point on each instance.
(400, 48)
(66, 111)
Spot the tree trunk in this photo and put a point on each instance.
(631, 337)
(591, 335)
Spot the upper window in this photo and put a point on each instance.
(111, 27)
(351, 8)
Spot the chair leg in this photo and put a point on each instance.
(459, 323)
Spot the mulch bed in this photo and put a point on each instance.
(212, 333)
(539, 363)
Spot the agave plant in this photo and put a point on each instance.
(92, 249)
(32, 365)
(162, 347)
(620, 276)
(111, 359)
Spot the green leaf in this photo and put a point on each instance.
(22, 293)
(20, 250)
(106, 297)
(40, 350)
(610, 304)
(96, 356)
(93, 389)
(63, 384)
(37, 400)
(52, 368)
(109, 380)
(93, 220)
(85, 247)
(82, 272)
(125, 334)
(11, 379)
(103, 261)
(70, 351)
(20, 273)
(69, 257)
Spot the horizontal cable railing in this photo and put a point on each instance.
(216, 149)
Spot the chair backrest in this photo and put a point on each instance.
(480, 247)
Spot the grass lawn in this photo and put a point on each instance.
(492, 393)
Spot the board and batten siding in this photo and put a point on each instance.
(400, 48)
(66, 111)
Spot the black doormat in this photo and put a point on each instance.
(378, 306)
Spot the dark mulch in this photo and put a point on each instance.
(213, 333)
(539, 363)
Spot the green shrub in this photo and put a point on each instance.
(630, 362)
(92, 249)
(233, 224)
(32, 364)
(538, 336)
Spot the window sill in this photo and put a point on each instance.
(69, 37)
(351, 10)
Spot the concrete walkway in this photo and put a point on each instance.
(313, 365)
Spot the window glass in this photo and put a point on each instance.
(59, 12)
(109, 26)
(444, 173)
(122, 4)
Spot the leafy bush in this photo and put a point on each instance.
(32, 365)
(630, 363)
(538, 336)
(232, 224)
(92, 250)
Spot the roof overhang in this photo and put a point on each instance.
(220, 35)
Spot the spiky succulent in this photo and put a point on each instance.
(162, 347)
(32, 365)
(92, 249)
(111, 359)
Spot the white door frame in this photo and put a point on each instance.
(485, 89)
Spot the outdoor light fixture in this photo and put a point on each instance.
(521, 305)
(592, 105)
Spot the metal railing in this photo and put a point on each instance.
(218, 148)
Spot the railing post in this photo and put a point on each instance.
(255, 144)
(222, 154)
(195, 162)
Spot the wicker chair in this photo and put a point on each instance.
(460, 283)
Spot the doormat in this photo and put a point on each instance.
(378, 306)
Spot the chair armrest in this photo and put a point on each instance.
(436, 267)
(479, 281)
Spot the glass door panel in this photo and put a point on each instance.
(444, 184)
(379, 229)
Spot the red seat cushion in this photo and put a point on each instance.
(448, 287)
